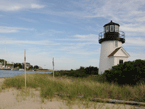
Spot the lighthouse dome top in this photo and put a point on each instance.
(111, 23)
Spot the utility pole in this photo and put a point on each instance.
(25, 66)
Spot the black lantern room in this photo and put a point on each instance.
(111, 32)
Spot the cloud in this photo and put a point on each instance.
(87, 37)
(37, 6)
(5, 29)
(106, 8)
(15, 42)
(134, 56)
(79, 52)
(16, 5)
(136, 41)
(51, 32)
(28, 20)
(133, 28)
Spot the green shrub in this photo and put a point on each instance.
(81, 72)
(127, 73)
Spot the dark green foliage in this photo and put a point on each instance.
(31, 67)
(18, 65)
(91, 70)
(81, 72)
(127, 73)
(2, 61)
(36, 67)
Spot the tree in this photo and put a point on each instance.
(18, 65)
(2, 61)
(36, 67)
(31, 67)
(91, 70)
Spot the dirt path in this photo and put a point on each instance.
(19, 99)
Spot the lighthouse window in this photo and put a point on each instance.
(107, 28)
(116, 44)
(116, 28)
(111, 28)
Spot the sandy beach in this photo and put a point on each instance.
(11, 98)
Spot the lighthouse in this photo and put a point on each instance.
(112, 52)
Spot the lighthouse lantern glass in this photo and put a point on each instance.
(111, 28)
(116, 28)
(107, 28)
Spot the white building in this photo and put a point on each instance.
(112, 52)
(1, 65)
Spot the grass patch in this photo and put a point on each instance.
(88, 87)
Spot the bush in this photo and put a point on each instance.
(91, 70)
(127, 73)
(81, 72)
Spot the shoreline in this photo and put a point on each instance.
(2, 79)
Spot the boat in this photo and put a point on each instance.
(15, 69)
(21, 69)
(6, 69)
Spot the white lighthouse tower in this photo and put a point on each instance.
(112, 52)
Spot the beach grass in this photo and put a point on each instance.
(87, 87)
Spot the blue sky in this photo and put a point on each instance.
(67, 30)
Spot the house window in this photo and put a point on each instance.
(120, 61)
(116, 44)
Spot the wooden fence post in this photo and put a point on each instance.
(53, 68)
(25, 66)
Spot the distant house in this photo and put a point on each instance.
(40, 67)
(1, 64)
(28, 65)
(10, 66)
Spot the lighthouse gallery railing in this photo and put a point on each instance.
(121, 35)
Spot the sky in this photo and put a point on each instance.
(67, 30)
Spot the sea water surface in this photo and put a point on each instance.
(11, 73)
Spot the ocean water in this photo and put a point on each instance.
(10, 73)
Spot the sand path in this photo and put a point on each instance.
(12, 98)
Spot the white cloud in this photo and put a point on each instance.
(15, 42)
(79, 52)
(16, 5)
(29, 20)
(81, 36)
(134, 56)
(14, 8)
(133, 28)
(37, 6)
(5, 29)
(87, 37)
(136, 41)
